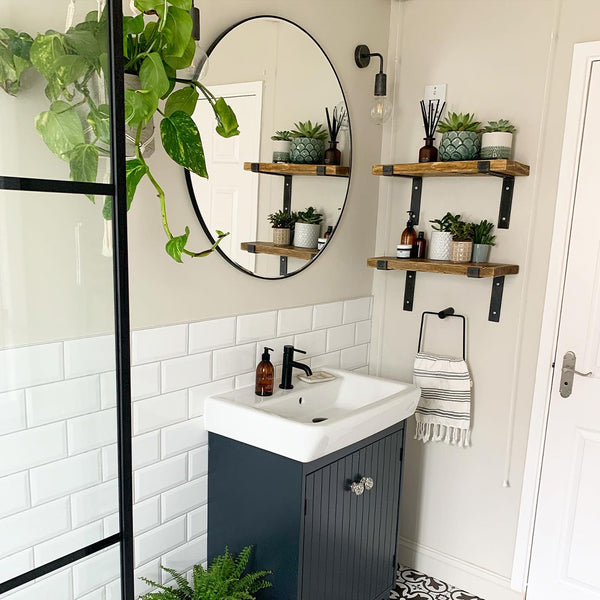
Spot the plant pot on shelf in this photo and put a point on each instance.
(282, 236)
(461, 252)
(309, 151)
(132, 82)
(459, 145)
(481, 253)
(306, 235)
(497, 144)
(281, 151)
(439, 245)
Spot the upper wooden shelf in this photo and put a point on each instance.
(270, 248)
(391, 263)
(294, 169)
(498, 167)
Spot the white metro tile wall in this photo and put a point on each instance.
(58, 487)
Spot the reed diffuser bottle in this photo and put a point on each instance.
(431, 116)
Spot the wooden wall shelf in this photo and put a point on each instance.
(294, 169)
(270, 248)
(459, 168)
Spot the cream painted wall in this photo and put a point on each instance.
(500, 59)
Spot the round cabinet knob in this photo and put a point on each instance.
(368, 483)
(357, 487)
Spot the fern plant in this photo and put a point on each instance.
(225, 579)
(501, 125)
(459, 122)
(305, 129)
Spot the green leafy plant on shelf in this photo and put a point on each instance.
(482, 233)
(282, 219)
(282, 136)
(305, 129)
(459, 122)
(158, 44)
(445, 223)
(501, 125)
(225, 579)
(310, 215)
(461, 231)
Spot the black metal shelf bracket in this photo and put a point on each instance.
(409, 290)
(283, 265)
(508, 186)
(382, 265)
(496, 299)
(287, 193)
(415, 198)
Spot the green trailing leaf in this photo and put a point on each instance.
(133, 25)
(184, 4)
(228, 125)
(14, 58)
(181, 140)
(83, 161)
(184, 100)
(185, 60)
(45, 52)
(84, 44)
(176, 245)
(140, 105)
(177, 31)
(107, 209)
(135, 170)
(60, 128)
(152, 6)
(153, 76)
(69, 69)
(99, 119)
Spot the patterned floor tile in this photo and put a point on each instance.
(413, 585)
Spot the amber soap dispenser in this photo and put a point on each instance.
(265, 375)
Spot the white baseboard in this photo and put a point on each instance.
(456, 572)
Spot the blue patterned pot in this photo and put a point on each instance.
(460, 145)
(307, 151)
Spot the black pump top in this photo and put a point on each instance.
(422, 234)
(411, 216)
(266, 356)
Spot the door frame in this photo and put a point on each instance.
(584, 54)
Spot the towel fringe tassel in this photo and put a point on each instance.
(440, 433)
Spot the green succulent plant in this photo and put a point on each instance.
(499, 125)
(310, 215)
(462, 231)
(282, 136)
(306, 129)
(445, 223)
(459, 122)
(282, 219)
(482, 233)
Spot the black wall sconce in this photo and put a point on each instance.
(381, 108)
(199, 67)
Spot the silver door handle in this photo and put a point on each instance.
(568, 372)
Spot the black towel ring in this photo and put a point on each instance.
(447, 312)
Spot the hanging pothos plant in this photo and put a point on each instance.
(157, 44)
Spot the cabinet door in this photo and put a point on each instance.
(349, 540)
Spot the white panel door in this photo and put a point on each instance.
(565, 561)
(228, 199)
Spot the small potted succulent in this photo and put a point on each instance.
(461, 248)
(308, 143)
(281, 146)
(282, 223)
(441, 237)
(460, 137)
(483, 240)
(497, 139)
(308, 228)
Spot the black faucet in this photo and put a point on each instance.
(288, 364)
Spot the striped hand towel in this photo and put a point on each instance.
(444, 410)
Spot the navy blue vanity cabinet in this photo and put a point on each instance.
(322, 538)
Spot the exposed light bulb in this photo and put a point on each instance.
(381, 109)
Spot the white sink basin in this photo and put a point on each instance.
(312, 420)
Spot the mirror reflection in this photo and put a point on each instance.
(290, 163)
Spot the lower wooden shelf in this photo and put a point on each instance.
(270, 248)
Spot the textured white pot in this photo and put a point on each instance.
(132, 82)
(439, 245)
(497, 144)
(306, 235)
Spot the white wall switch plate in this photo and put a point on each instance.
(436, 91)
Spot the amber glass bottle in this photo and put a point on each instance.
(265, 375)
(409, 235)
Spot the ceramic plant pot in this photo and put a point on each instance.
(281, 151)
(132, 82)
(460, 252)
(307, 151)
(460, 145)
(282, 236)
(481, 253)
(439, 245)
(306, 235)
(497, 144)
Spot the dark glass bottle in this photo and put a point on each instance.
(265, 375)
(332, 155)
(428, 153)
(420, 245)
(409, 235)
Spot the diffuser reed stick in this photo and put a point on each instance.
(431, 117)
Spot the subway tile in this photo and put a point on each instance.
(95, 595)
(356, 310)
(54, 587)
(94, 503)
(160, 343)
(363, 332)
(108, 389)
(184, 498)
(182, 437)
(294, 320)
(92, 431)
(64, 477)
(33, 365)
(151, 571)
(185, 557)
(328, 315)
(355, 357)
(14, 494)
(145, 381)
(186, 372)
(16, 564)
(12, 409)
(146, 449)
(198, 394)
(146, 515)
(340, 337)
(233, 361)
(312, 343)
(62, 400)
(198, 462)
(159, 541)
(95, 571)
(111, 524)
(161, 411)
(277, 345)
(160, 477)
(251, 328)
(110, 462)
(33, 526)
(331, 360)
(245, 380)
(32, 447)
(197, 522)
(210, 335)
(68, 542)
(89, 356)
